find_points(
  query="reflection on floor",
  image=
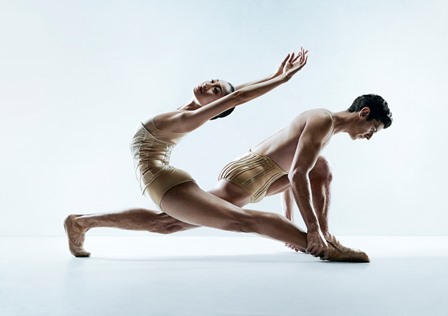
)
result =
(168, 275)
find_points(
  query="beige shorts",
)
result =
(152, 168)
(253, 173)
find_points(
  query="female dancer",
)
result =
(174, 190)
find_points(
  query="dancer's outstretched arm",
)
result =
(285, 65)
(187, 121)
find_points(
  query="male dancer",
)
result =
(289, 161)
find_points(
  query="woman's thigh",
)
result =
(189, 203)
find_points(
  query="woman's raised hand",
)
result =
(293, 63)
(281, 68)
(289, 61)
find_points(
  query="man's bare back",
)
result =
(281, 146)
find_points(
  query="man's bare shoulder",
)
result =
(315, 125)
(314, 117)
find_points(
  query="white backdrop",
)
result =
(76, 77)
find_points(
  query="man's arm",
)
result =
(310, 144)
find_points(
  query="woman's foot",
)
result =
(76, 236)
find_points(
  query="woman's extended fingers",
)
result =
(299, 55)
(285, 60)
(303, 57)
(295, 62)
(293, 57)
(290, 62)
(305, 54)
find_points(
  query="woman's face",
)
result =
(210, 91)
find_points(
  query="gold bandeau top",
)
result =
(155, 145)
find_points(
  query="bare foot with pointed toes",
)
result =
(75, 236)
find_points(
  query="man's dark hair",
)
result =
(226, 112)
(379, 110)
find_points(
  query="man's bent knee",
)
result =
(321, 171)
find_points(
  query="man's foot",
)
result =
(76, 236)
(336, 252)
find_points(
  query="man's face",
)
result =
(365, 129)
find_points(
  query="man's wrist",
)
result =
(313, 228)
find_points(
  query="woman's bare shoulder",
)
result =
(165, 121)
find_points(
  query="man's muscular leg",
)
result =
(320, 179)
(139, 219)
(133, 219)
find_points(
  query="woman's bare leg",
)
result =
(188, 203)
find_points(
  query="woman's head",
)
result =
(212, 90)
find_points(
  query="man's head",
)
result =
(374, 114)
(379, 110)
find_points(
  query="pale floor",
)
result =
(169, 275)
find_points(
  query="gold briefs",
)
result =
(253, 173)
(151, 149)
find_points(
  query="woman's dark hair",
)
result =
(226, 112)
(379, 110)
